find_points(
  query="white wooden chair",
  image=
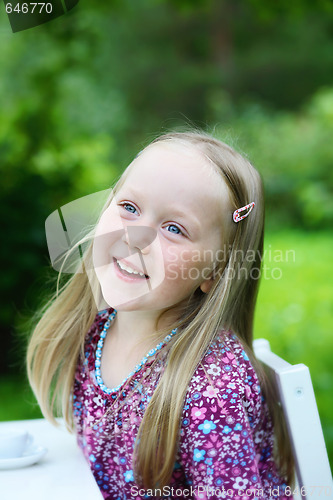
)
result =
(294, 387)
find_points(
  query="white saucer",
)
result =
(32, 455)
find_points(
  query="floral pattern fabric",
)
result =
(226, 436)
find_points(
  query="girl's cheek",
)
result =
(179, 264)
(170, 254)
(110, 221)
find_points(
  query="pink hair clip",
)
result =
(236, 217)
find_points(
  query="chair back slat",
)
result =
(297, 398)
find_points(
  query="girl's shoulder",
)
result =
(226, 374)
(228, 351)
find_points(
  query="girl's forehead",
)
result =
(171, 173)
(172, 160)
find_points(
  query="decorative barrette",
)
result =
(236, 217)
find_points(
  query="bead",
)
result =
(138, 367)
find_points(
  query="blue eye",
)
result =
(174, 229)
(129, 208)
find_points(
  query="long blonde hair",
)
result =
(58, 339)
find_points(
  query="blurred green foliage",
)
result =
(81, 95)
(18, 402)
(295, 306)
(293, 151)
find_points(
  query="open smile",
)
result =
(128, 270)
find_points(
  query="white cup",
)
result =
(13, 443)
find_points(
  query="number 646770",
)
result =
(29, 8)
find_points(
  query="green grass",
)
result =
(294, 313)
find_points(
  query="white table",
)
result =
(62, 474)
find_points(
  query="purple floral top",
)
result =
(226, 436)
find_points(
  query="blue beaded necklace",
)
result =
(136, 369)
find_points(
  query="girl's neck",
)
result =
(135, 327)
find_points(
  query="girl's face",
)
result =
(157, 241)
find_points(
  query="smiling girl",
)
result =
(161, 386)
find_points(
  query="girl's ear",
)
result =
(207, 284)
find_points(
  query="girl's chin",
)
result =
(122, 301)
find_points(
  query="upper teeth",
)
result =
(128, 269)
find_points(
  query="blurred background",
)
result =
(81, 95)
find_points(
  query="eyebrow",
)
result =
(187, 217)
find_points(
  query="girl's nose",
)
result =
(139, 237)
